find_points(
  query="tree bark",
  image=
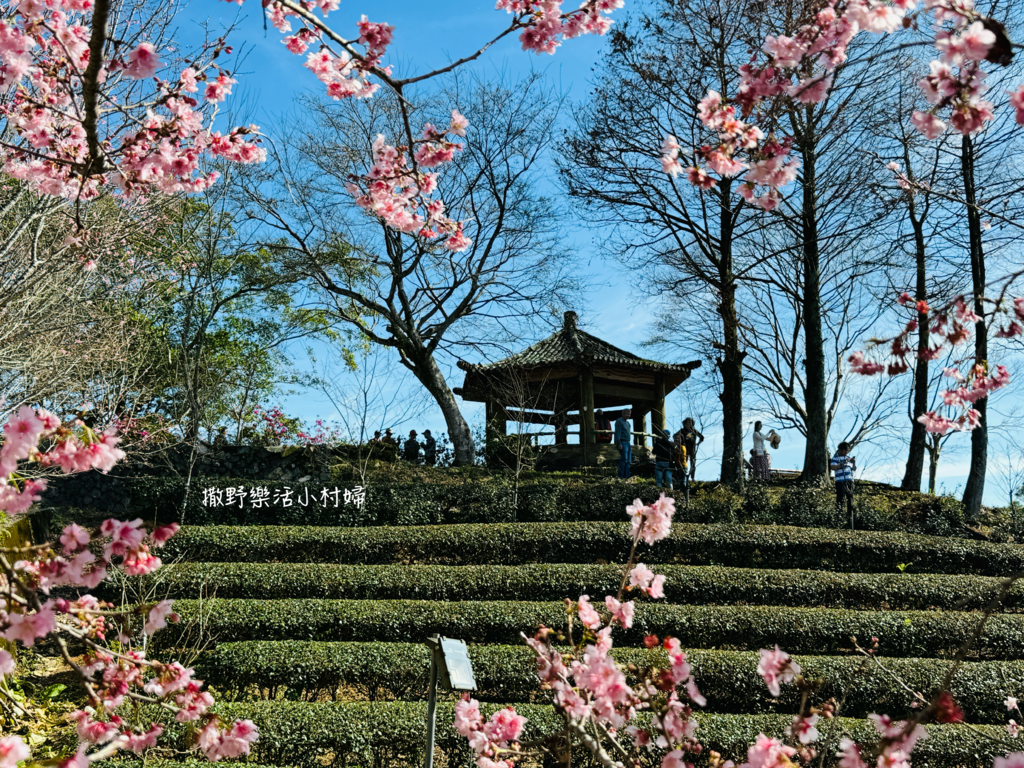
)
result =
(975, 488)
(730, 363)
(425, 369)
(933, 470)
(816, 448)
(918, 435)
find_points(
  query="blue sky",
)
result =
(428, 35)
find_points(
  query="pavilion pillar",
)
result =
(639, 424)
(658, 414)
(587, 425)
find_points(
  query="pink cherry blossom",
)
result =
(7, 663)
(588, 616)
(1012, 760)
(74, 538)
(776, 667)
(143, 62)
(219, 89)
(504, 725)
(849, 755)
(12, 751)
(621, 612)
(158, 616)
(803, 729)
(768, 753)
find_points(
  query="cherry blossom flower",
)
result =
(143, 62)
(13, 750)
(776, 667)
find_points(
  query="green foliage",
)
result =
(389, 734)
(588, 542)
(717, 505)
(694, 584)
(758, 505)
(810, 505)
(505, 673)
(799, 630)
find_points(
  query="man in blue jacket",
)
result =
(623, 441)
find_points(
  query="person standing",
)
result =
(663, 450)
(376, 437)
(388, 438)
(759, 456)
(682, 461)
(429, 448)
(844, 466)
(602, 428)
(412, 449)
(689, 437)
(623, 441)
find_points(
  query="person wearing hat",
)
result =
(412, 449)
(389, 439)
(376, 437)
(663, 450)
(429, 448)
(689, 438)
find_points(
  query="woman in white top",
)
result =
(760, 460)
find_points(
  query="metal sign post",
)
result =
(449, 661)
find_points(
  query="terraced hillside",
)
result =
(316, 632)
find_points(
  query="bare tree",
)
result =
(689, 245)
(368, 391)
(405, 291)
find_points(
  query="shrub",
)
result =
(717, 505)
(811, 505)
(505, 673)
(758, 505)
(386, 734)
(736, 545)
(451, 497)
(700, 585)
(799, 630)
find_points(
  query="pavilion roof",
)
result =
(571, 345)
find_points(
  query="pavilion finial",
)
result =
(569, 321)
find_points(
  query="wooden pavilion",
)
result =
(561, 380)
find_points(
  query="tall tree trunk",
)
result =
(816, 450)
(425, 369)
(975, 488)
(730, 364)
(933, 467)
(918, 434)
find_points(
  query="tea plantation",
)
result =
(316, 632)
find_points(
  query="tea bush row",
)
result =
(503, 673)
(391, 734)
(701, 584)
(798, 630)
(591, 542)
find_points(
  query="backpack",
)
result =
(681, 456)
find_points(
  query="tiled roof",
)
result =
(571, 345)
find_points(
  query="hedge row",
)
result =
(731, 545)
(223, 501)
(798, 630)
(701, 585)
(386, 734)
(503, 673)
